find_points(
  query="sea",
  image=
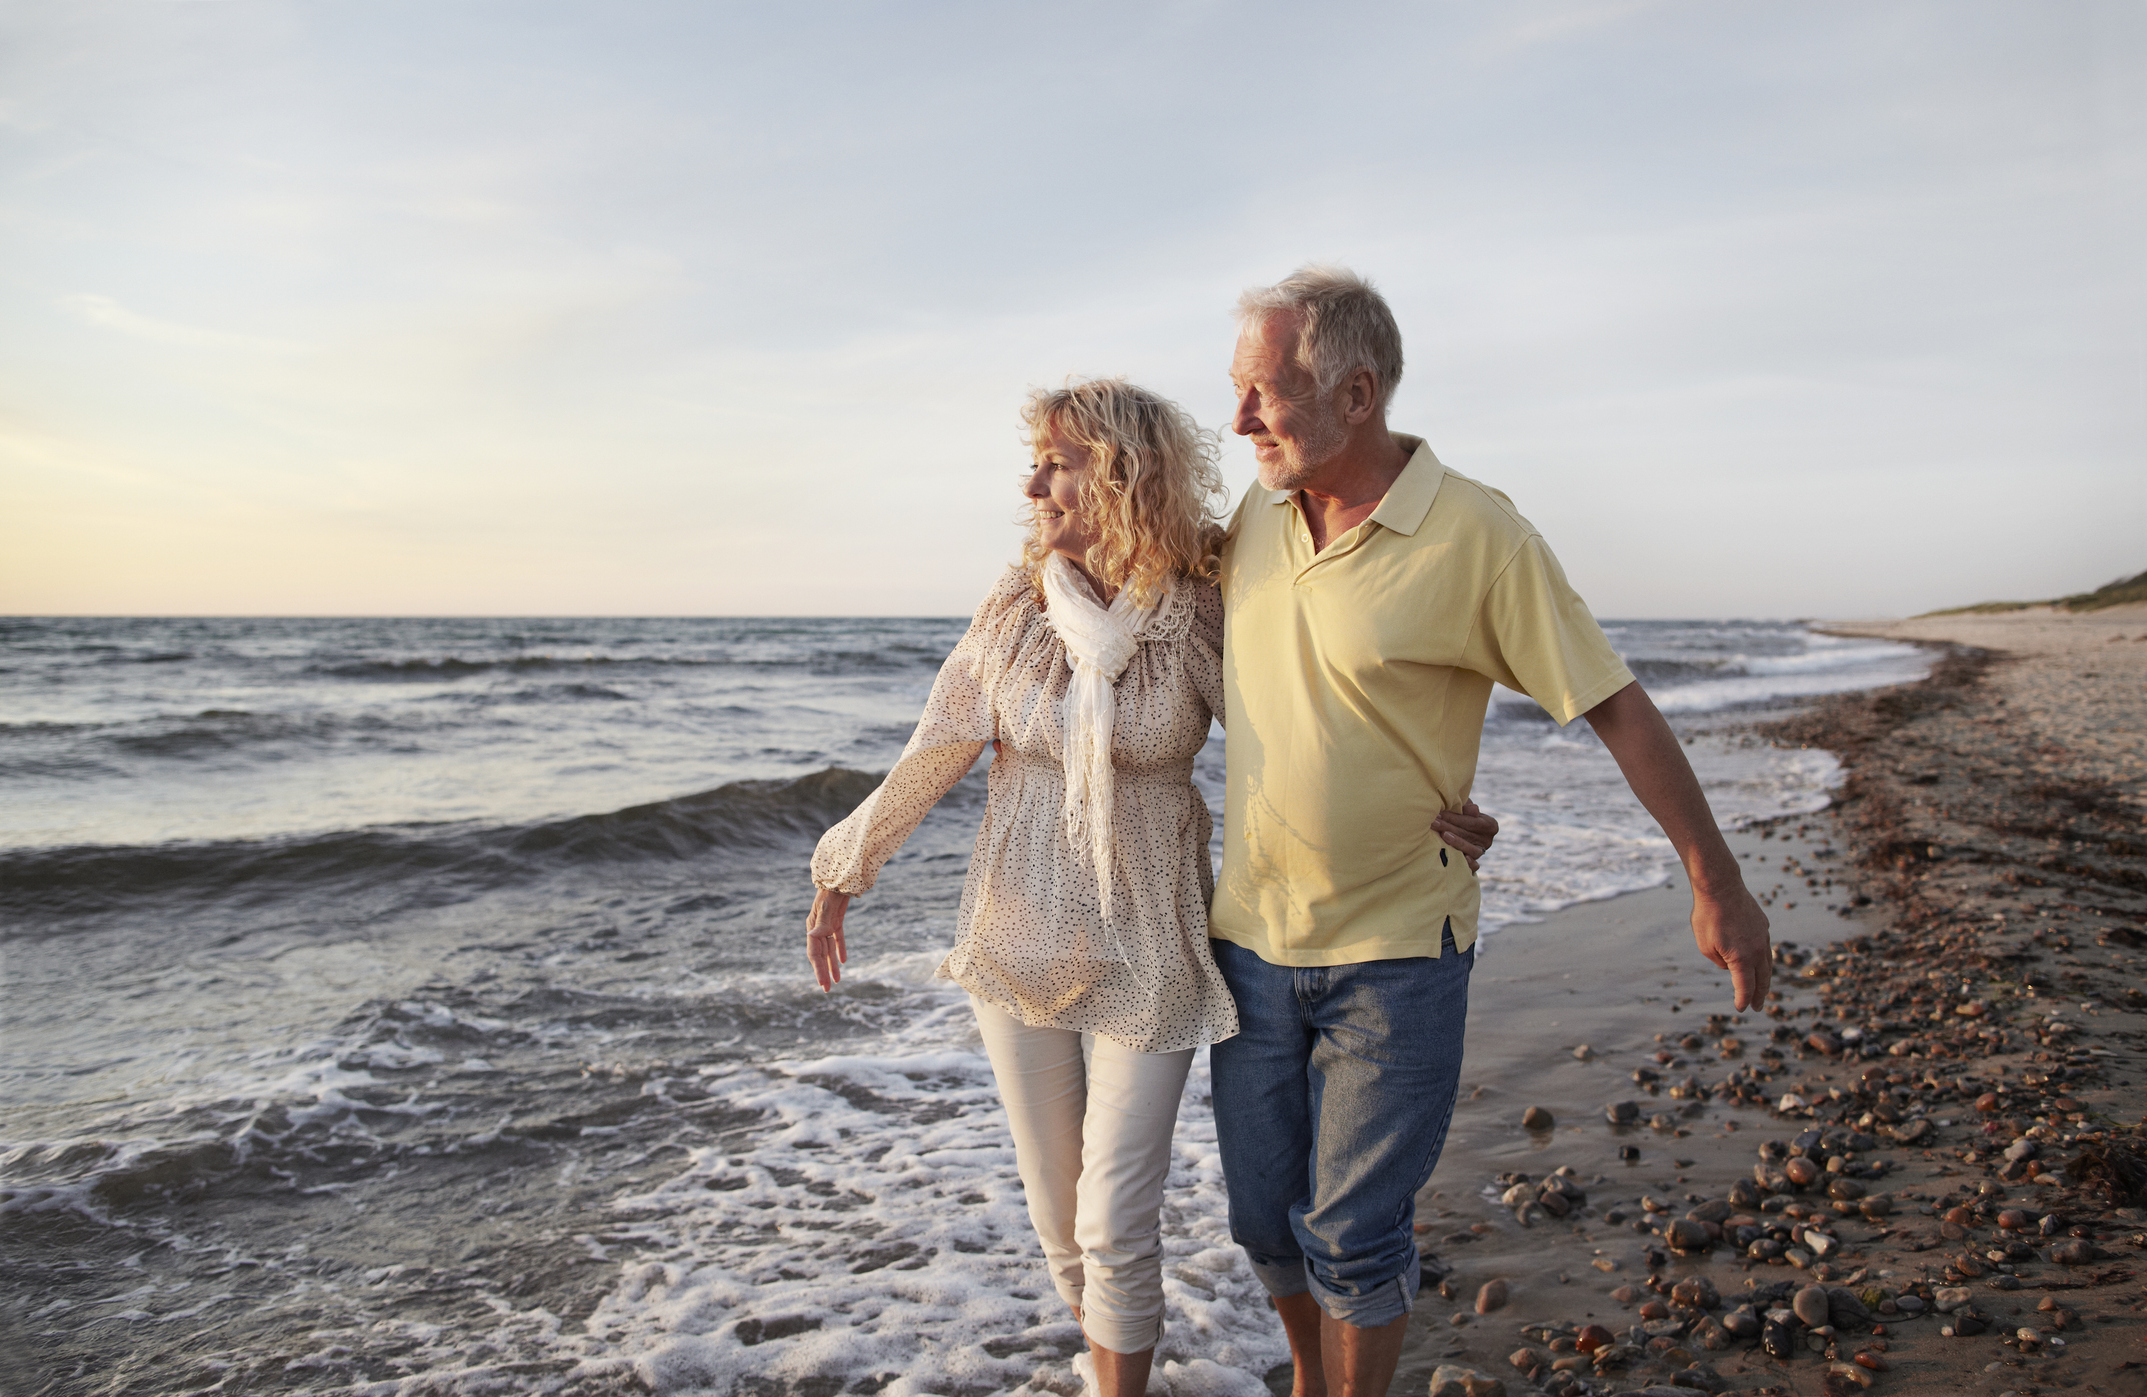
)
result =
(419, 1006)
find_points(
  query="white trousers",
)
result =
(1092, 1123)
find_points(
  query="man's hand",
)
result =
(823, 936)
(1468, 830)
(1732, 932)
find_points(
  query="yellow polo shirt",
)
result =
(1355, 681)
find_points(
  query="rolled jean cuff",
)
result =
(1282, 1278)
(1373, 1307)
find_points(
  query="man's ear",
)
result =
(1363, 400)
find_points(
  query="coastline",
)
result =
(1990, 822)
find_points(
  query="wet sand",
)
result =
(1987, 847)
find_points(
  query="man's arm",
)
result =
(1726, 920)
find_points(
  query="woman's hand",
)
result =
(823, 936)
(1468, 830)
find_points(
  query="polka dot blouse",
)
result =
(1031, 936)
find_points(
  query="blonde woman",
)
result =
(1093, 667)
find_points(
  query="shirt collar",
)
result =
(1409, 498)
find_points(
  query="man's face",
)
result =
(1294, 430)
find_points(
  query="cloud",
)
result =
(108, 314)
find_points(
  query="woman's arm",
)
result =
(956, 723)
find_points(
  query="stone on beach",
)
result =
(1453, 1380)
(1688, 1235)
(1695, 1293)
(1492, 1295)
(1537, 1118)
(1810, 1305)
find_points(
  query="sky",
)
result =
(1825, 309)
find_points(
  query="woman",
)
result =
(1093, 668)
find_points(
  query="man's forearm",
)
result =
(1726, 923)
(1635, 732)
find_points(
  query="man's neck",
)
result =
(1349, 487)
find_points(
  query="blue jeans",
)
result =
(1331, 1106)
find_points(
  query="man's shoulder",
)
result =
(1469, 503)
(1253, 498)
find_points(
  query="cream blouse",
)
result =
(1031, 936)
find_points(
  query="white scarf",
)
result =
(1100, 643)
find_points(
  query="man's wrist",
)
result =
(1717, 880)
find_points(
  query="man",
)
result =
(1373, 598)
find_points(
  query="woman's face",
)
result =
(1054, 488)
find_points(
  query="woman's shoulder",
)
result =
(1012, 590)
(1206, 595)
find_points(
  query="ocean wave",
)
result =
(456, 861)
(426, 671)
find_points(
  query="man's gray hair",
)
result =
(1344, 325)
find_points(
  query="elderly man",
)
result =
(1374, 597)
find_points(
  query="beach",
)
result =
(1958, 1024)
(425, 1019)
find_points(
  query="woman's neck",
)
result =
(1104, 595)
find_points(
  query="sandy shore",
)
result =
(1956, 1045)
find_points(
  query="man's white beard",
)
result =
(1300, 462)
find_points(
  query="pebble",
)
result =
(1584, 1053)
(1687, 1235)
(1593, 1337)
(2076, 1251)
(1801, 1171)
(1537, 1118)
(1695, 1293)
(1492, 1295)
(1453, 1380)
(1778, 1339)
(1949, 1298)
(1622, 1112)
(1846, 1309)
(1810, 1305)
(1846, 1378)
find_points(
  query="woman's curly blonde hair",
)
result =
(1152, 489)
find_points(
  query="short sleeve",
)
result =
(1534, 634)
